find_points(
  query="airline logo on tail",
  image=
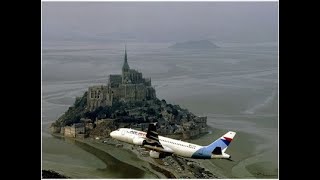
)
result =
(227, 140)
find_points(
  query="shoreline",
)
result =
(132, 155)
(123, 154)
(169, 167)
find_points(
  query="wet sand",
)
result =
(128, 155)
(247, 160)
(241, 166)
(236, 87)
(256, 165)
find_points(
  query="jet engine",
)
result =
(154, 154)
(138, 141)
(157, 155)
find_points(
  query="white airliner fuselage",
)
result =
(174, 146)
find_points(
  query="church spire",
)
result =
(125, 66)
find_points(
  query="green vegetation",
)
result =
(151, 112)
(74, 113)
(78, 111)
(136, 112)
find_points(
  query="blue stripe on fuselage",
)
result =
(201, 154)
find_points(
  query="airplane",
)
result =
(160, 146)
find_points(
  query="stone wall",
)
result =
(129, 92)
(116, 93)
(74, 130)
(114, 80)
(96, 96)
(69, 131)
(62, 131)
(201, 121)
(151, 93)
(141, 92)
(135, 76)
(89, 126)
(55, 129)
(80, 130)
(99, 121)
(147, 81)
(81, 136)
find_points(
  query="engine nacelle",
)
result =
(154, 154)
(138, 141)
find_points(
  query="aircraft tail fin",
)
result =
(220, 145)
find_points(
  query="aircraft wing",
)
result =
(152, 137)
(152, 140)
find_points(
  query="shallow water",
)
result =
(236, 86)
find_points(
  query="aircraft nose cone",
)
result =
(112, 134)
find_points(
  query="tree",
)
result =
(75, 112)
(151, 112)
(159, 116)
(175, 112)
(157, 102)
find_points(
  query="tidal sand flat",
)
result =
(104, 162)
(235, 86)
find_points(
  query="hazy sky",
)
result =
(160, 21)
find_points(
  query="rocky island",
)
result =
(128, 100)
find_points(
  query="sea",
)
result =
(235, 86)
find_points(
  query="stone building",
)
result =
(128, 86)
(201, 121)
(88, 124)
(74, 130)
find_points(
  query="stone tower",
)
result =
(128, 86)
(125, 68)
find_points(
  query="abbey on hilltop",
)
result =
(127, 100)
(128, 86)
